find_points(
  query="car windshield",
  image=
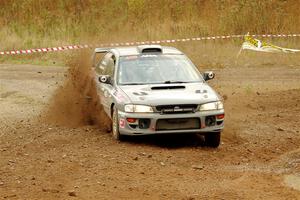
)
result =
(156, 69)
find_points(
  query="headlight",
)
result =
(138, 109)
(212, 106)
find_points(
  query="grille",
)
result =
(184, 108)
(178, 124)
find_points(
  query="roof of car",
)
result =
(142, 49)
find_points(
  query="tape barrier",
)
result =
(253, 44)
(76, 47)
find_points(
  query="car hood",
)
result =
(187, 93)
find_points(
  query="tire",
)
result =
(213, 139)
(115, 125)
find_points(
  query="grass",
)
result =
(42, 23)
(249, 89)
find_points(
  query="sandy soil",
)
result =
(259, 157)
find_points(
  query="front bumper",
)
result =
(127, 128)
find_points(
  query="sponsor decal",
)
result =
(122, 123)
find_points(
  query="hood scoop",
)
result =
(168, 87)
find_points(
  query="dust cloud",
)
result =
(76, 102)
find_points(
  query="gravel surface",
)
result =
(259, 157)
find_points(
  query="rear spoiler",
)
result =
(98, 51)
(102, 50)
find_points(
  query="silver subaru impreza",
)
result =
(153, 89)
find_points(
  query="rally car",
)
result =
(153, 89)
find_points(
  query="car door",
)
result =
(106, 67)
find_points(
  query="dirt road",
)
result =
(259, 157)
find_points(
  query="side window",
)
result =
(109, 70)
(106, 65)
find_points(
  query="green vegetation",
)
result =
(43, 23)
(249, 89)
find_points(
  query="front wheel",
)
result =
(212, 139)
(115, 125)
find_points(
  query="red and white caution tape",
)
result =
(74, 47)
(40, 50)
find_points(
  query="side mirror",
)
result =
(208, 75)
(105, 79)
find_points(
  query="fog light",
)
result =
(144, 123)
(210, 121)
(220, 116)
(131, 120)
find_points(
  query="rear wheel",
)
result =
(115, 125)
(213, 139)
